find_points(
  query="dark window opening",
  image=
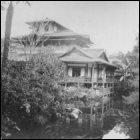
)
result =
(76, 72)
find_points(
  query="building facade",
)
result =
(88, 66)
(84, 65)
(49, 33)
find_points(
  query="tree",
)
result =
(8, 26)
(134, 55)
(131, 101)
(8, 23)
(27, 92)
(128, 72)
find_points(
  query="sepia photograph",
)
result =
(69, 69)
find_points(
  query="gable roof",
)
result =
(64, 35)
(104, 56)
(94, 53)
(47, 20)
(88, 55)
(76, 48)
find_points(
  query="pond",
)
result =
(62, 130)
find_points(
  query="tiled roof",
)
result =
(62, 34)
(82, 55)
(94, 53)
(91, 53)
(76, 59)
(85, 55)
(45, 20)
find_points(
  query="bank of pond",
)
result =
(63, 128)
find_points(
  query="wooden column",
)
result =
(66, 65)
(102, 108)
(103, 76)
(86, 71)
(109, 102)
(92, 72)
(113, 84)
(89, 70)
(65, 81)
(102, 115)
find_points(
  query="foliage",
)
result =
(8, 27)
(128, 65)
(131, 101)
(3, 3)
(32, 40)
(129, 73)
(30, 92)
(131, 114)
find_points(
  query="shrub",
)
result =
(29, 88)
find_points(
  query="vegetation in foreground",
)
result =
(31, 94)
(30, 91)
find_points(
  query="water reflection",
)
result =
(61, 129)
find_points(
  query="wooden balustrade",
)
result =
(88, 80)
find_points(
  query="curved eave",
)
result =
(86, 60)
(64, 35)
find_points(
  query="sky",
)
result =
(111, 25)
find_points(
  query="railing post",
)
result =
(91, 117)
(102, 108)
(78, 85)
(102, 115)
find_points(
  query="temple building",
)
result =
(49, 33)
(84, 65)
(88, 66)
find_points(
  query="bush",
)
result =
(29, 88)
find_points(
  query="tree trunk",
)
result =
(8, 26)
